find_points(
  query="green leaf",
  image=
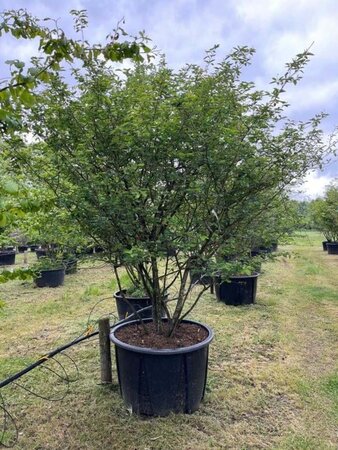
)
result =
(10, 187)
(3, 219)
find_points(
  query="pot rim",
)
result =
(234, 277)
(164, 351)
(52, 270)
(120, 297)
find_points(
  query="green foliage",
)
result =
(197, 160)
(14, 203)
(16, 274)
(47, 263)
(56, 48)
(325, 213)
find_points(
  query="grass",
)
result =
(272, 383)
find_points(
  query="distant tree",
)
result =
(325, 212)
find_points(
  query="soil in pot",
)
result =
(7, 258)
(240, 290)
(51, 278)
(158, 381)
(126, 305)
(332, 248)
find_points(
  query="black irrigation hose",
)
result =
(45, 358)
(59, 350)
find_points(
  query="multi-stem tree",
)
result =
(156, 159)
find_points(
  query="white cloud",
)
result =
(314, 186)
(313, 96)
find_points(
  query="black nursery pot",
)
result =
(257, 251)
(332, 248)
(199, 278)
(22, 248)
(7, 258)
(274, 246)
(241, 290)
(33, 247)
(51, 278)
(158, 382)
(325, 245)
(126, 306)
(70, 265)
(40, 252)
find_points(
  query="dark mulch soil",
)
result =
(185, 335)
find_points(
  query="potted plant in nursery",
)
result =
(324, 212)
(49, 272)
(7, 256)
(240, 286)
(330, 217)
(60, 239)
(171, 163)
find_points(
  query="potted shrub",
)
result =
(7, 252)
(330, 216)
(240, 287)
(131, 300)
(49, 272)
(325, 217)
(7, 257)
(20, 240)
(170, 163)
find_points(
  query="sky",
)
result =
(184, 29)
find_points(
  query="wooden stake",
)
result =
(105, 354)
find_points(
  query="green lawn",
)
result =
(273, 382)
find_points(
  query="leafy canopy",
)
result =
(159, 160)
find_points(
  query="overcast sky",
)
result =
(184, 29)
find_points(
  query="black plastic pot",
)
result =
(158, 382)
(198, 278)
(324, 243)
(257, 251)
(332, 248)
(7, 258)
(22, 248)
(40, 252)
(126, 306)
(70, 265)
(33, 247)
(240, 290)
(274, 246)
(171, 252)
(51, 278)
